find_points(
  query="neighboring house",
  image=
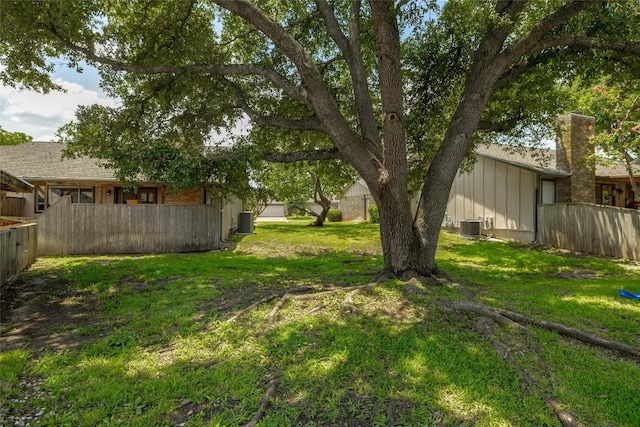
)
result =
(10, 203)
(355, 201)
(504, 188)
(40, 164)
(273, 209)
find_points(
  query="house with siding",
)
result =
(505, 187)
(51, 177)
(12, 206)
(355, 201)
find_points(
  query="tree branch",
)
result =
(322, 102)
(296, 156)
(274, 77)
(308, 124)
(333, 27)
(527, 42)
(351, 50)
(584, 42)
(521, 68)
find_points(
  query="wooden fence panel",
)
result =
(18, 249)
(55, 226)
(73, 228)
(12, 206)
(596, 229)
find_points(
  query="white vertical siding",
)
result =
(478, 191)
(513, 197)
(498, 190)
(527, 200)
(500, 220)
(489, 186)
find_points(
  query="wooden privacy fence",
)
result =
(596, 229)
(74, 228)
(18, 249)
(11, 206)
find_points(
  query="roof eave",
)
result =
(9, 182)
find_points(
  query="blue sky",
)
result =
(40, 115)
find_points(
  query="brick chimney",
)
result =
(572, 146)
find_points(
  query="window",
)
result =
(548, 191)
(39, 199)
(145, 195)
(78, 194)
(605, 195)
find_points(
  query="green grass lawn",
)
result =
(148, 340)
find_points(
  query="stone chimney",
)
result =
(572, 146)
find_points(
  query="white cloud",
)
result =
(40, 115)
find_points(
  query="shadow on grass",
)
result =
(165, 356)
(579, 290)
(355, 371)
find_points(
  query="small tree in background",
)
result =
(299, 184)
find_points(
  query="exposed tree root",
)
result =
(267, 299)
(347, 305)
(526, 345)
(274, 311)
(523, 342)
(316, 309)
(514, 341)
(498, 313)
(264, 403)
(277, 307)
(252, 306)
(566, 418)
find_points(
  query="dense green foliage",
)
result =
(302, 183)
(13, 138)
(615, 102)
(334, 215)
(374, 215)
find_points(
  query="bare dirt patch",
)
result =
(45, 313)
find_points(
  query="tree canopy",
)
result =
(13, 138)
(382, 85)
(615, 103)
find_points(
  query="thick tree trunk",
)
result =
(399, 242)
(486, 69)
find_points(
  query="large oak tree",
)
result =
(184, 68)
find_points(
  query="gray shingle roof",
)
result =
(538, 160)
(542, 161)
(42, 161)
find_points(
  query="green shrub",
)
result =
(334, 215)
(374, 215)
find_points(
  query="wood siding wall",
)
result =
(18, 249)
(601, 230)
(71, 228)
(496, 190)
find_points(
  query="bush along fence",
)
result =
(72, 228)
(596, 229)
(18, 249)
